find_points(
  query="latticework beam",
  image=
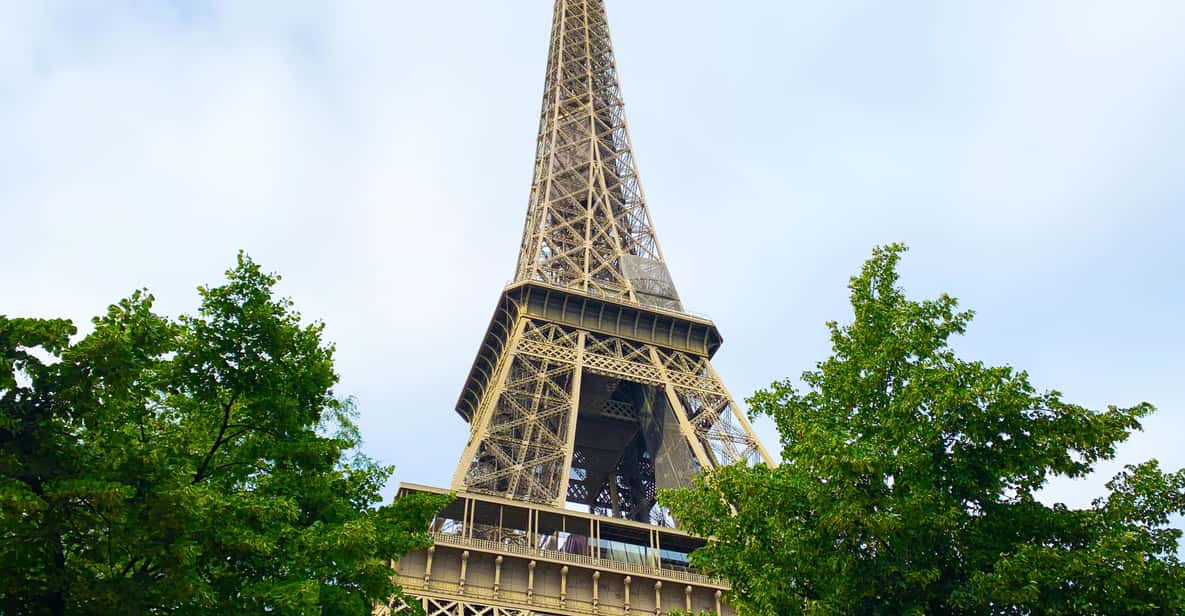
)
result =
(525, 443)
(587, 225)
(592, 386)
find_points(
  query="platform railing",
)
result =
(592, 562)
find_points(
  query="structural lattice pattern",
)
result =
(561, 411)
(446, 607)
(592, 386)
(587, 225)
(524, 444)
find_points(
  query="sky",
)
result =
(378, 155)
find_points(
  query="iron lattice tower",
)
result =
(593, 388)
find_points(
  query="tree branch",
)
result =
(218, 442)
(247, 428)
(128, 567)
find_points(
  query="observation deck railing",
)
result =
(590, 562)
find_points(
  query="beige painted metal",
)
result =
(589, 231)
(467, 572)
(587, 219)
(522, 442)
(478, 435)
(685, 426)
(590, 372)
(540, 586)
(573, 414)
(518, 448)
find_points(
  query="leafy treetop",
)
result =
(191, 466)
(909, 485)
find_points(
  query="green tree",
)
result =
(193, 466)
(909, 485)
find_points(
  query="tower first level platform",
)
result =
(496, 557)
(576, 400)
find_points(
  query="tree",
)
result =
(192, 466)
(909, 485)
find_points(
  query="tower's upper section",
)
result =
(592, 386)
(588, 228)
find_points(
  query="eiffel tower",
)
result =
(592, 389)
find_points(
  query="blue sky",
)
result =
(378, 155)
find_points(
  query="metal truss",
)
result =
(593, 386)
(448, 607)
(587, 224)
(578, 416)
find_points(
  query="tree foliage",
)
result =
(909, 485)
(197, 465)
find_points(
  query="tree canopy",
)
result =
(197, 465)
(909, 485)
